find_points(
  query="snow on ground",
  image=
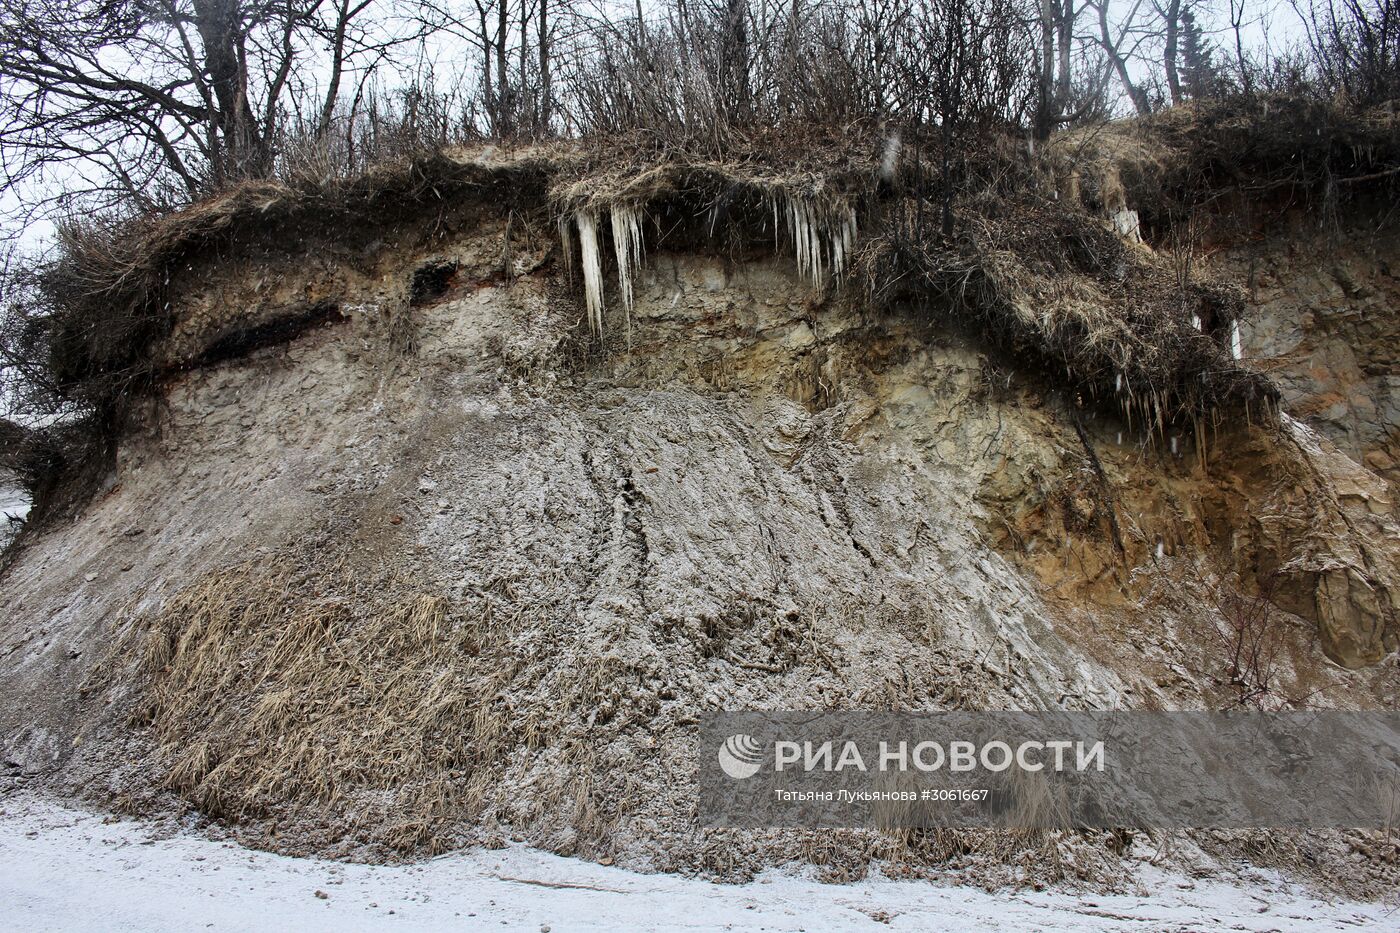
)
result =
(66, 869)
(13, 502)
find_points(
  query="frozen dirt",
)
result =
(66, 869)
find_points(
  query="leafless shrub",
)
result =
(1355, 48)
(1250, 640)
(1250, 644)
(700, 74)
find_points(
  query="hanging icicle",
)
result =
(627, 244)
(806, 242)
(889, 160)
(820, 242)
(567, 244)
(592, 264)
(843, 242)
(823, 240)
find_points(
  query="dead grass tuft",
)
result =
(263, 695)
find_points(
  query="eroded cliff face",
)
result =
(1326, 327)
(402, 558)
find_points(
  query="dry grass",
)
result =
(352, 697)
(353, 704)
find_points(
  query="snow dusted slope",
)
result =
(405, 559)
(62, 868)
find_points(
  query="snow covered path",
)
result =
(66, 869)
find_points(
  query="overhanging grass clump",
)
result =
(1037, 275)
(1283, 152)
(1059, 290)
(106, 295)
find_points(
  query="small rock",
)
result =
(323, 895)
(90, 577)
(396, 519)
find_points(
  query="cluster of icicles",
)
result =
(627, 244)
(822, 242)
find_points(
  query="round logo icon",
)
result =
(741, 756)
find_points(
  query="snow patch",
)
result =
(63, 868)
(14, 507)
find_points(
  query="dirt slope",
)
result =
(401, 559)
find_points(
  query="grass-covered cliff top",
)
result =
(1035, 248)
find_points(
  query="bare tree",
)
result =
(155, 101)
(1056, 22)
(1113, 43)
(1170, 13)
(346, 12)
(516, 43)
(1237, 14)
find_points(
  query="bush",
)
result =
(1355, 47)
